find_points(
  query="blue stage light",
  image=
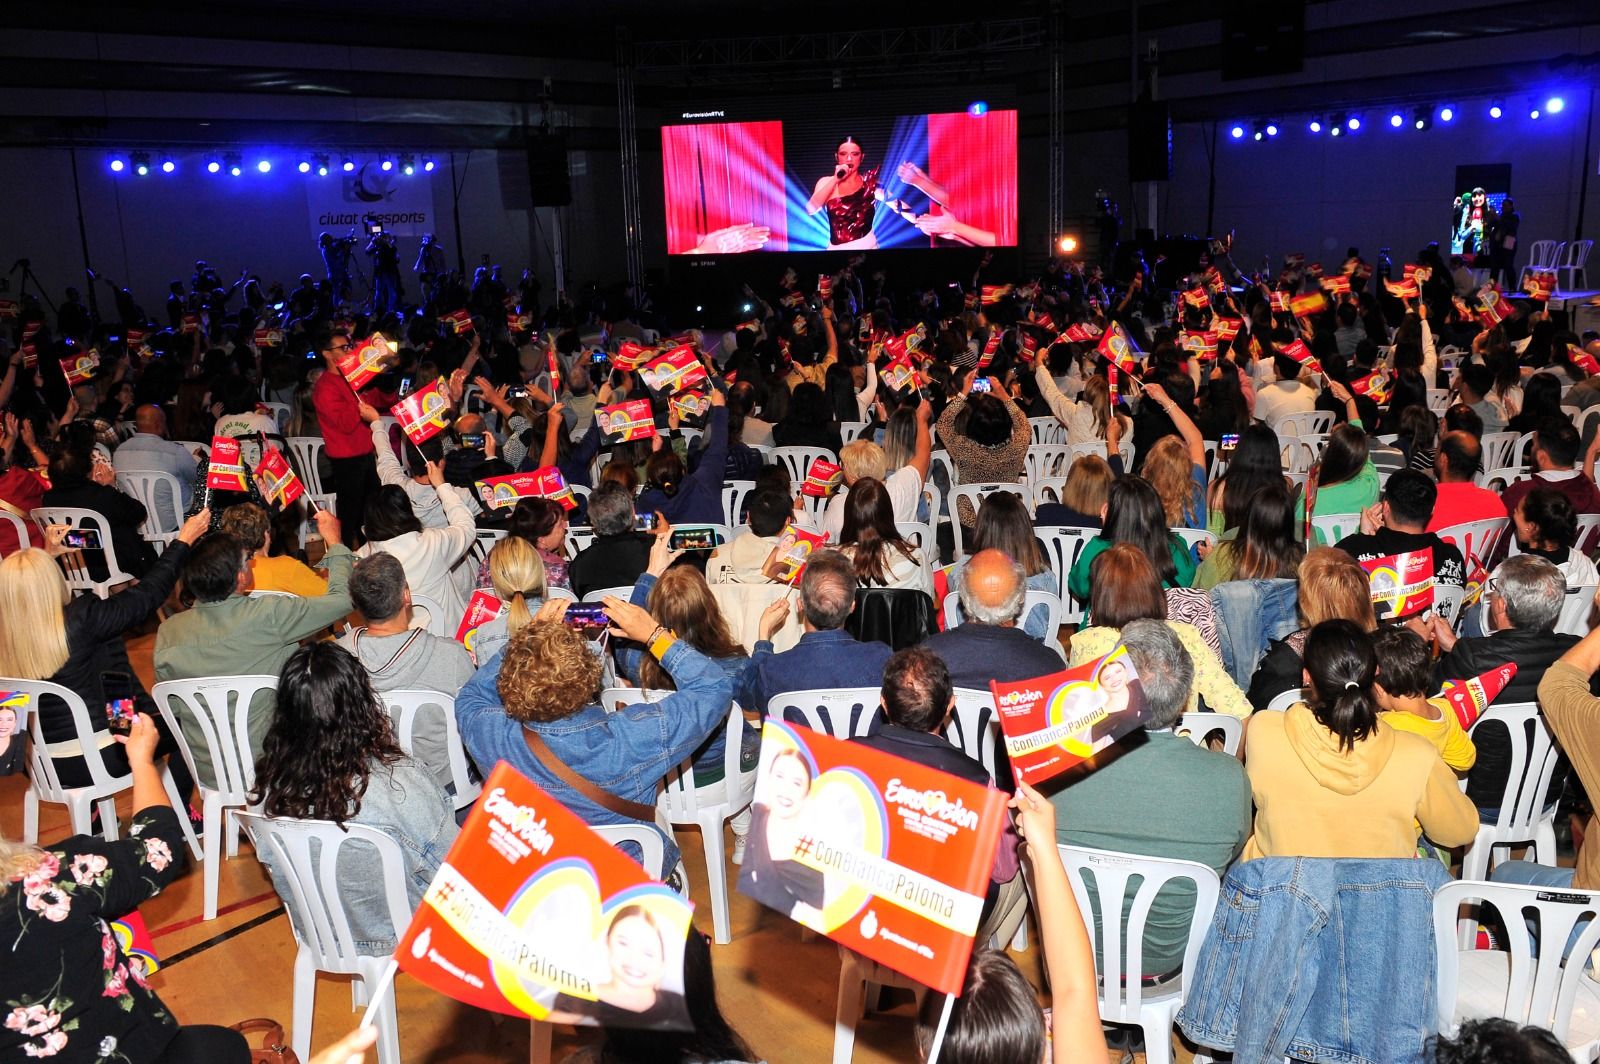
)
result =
(304, 166)
(118, 164)
(265, 166)
(1353, 124)
(141, 163)
(427, 164)
(1495, 110)
(1554, 105)
(1315, 126)
(1446, 113)
(349, 164)
(1533, 112)
(167, 165)
(1272, 129)
(1236, 133)
(1396, 120)
(387, 164)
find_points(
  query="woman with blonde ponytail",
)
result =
(517, 574)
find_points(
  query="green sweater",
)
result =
(242, 636)
(1078, 578)
(1157, 794)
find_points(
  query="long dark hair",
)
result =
(1339, 659)
(1224, 398)
(533, 519)
(1004, 525)
(1267, 548)
(841, 390)
(711, 1037)
(1256, 463)
(1134, 514)
(328, 732)
(996, 1019)
(1343, 457)
(389, 514)
(808, 406)
(1541, 398)
(870, 529)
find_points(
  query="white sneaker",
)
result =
(738, 849)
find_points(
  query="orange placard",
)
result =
(1057, 721)
(822, 479)
(885, 856)
(532, 913)
(482, 608)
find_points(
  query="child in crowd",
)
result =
(1404, 676)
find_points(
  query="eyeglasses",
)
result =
(340, 347)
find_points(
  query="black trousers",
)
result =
(355, 480)
(205, 1044)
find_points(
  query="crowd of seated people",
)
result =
(1231, 552)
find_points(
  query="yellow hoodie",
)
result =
(1315, 800)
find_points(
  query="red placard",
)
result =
(226, 472)
(787, 562)
(1228, 328)
(884, 856)
(676, 370)
(499, 493)
(1406, 289)
(900, 376)
(554, 369)
(191, 324)
(531, 912)
(1583, 360)
(278, 481)
(459, 321)
(630, 355)
(1297, 350)
(1296, 258)
(30, 355)
(1401, 584)
(80, 368)
(1082, 333)
(994, 293)
(519, 321)
(8, 309)
(264, 338)
(990, 346)
(1057, 721)
(1376, 385)
(424, 413)
(482, 608)
(691, 406)
(548, 483)
(1540, 286)
(1116, 347)
(825, 286)
(31, 328)
(1469, 698)
(1497, 310)
(1338, 285)
(623, 422)
(1197, 298)
(368, 359)
(1200, 344)
(134, 337)
(822, 479)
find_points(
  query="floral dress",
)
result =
(67, 990)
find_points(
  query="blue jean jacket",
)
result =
(623, 753)
(1330, 961)
(1250, 614)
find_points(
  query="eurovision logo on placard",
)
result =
(482, 608)
(624, 422)
(884, 856)
(1401, 584)
(532, 913)
(1057, 721)
(278, 481)
(424, 413)
(226, 471)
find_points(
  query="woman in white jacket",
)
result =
(430, 556)
(1085, 419)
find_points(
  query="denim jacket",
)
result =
(407, 804)
(1250, 614)
(1330, 961)
(623, 753)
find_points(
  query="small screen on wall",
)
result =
(1479, 193)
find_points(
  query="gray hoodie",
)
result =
(429, 663)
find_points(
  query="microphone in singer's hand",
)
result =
(838, 175)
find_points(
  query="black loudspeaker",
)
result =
(548, 182)
(1261, 38)
(1149, 142)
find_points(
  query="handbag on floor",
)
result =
(274, 1047)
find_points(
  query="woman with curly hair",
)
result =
(331, 754)
(1176, 465)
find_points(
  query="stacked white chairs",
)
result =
(219, 707)
(304, 452)
(45, 783)
(161, 523)
(1574, 263)
(1048, 489)
(839, 711)
(305, 854)
(1199, 727)
(850, 431)
(435, 712)
(73, 566)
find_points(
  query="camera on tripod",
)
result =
(374, 226)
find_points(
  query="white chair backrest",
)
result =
(1331, 528)
(921, 533)
(1193, 537)
(1438, 401)
(1299, 453)
(426, 613)
(624, 593)
(1533, 761)
(161, 523)
(1577, 255)
(1046, 430)
(1541, 253)
(935, 500)
(72, 564)
(1201, 726)
(941, 459)
(1498, 448)
(1047, 489)
(219, 707)
(1033, 598)
(205, 448)
(799, 459)
(484, 543)
(1063, 544)
(41, 766)
(648, 840)
(1046, 460)
(1526, 989)
(280, 415)
(680, 799)
(1575, 610)
(1304, 423)
(406, 707)
(304, 451)
(837, 711)
(850, 431)
(975, 494)
(316, 911)
(1288, 698)
(734, 494)
(1582, 422)
(1502, 478)
(1121, 952)
(1522, 451)
(974, 726)
(23, 526)
(1447, 602)
(578, 537)
(1475, 539)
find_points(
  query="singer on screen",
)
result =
(847, 195)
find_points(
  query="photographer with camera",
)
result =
(386, 290)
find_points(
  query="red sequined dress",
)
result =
(850, 217)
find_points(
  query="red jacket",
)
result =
(23, 489)
(339, 414)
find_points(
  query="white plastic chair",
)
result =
(829, 709)
(1063, 544)
(1331, 528)
(850, 431)
(974, 727)
(73, 566)
(707, 807)
(1438, 401)
(23, 526)
(1522, 451)
(305, 450)
(1050, 601)
(161, 523)
(799, 459)
(426, 613)
(280, 415)
(578, 537)
(205, 448)
(317, 917)
(1541, 259)
(1046, 430)
(1502, 478)
(652, 849)
(1498, 448)
(219, 706)
(405, 708)
(484, 543)
(1047, 489)
(1476, 539)
(1447, 603)
(975, 494)
(45, 784)
(1120, 966)
(1199, 727)
(1550, 990)
(624, 593)
(734, 494)
(1044, 460)
(1577, 257)
(1300, 453)
(1306, 423)
(1523, 817)
(1288, 698)
(1575, 610)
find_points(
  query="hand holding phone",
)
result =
(82, 539)
(980, 384)
(1228, 444)
(589, 618)
(693, 537)
(120, 709)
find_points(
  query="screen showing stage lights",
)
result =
(913, 181)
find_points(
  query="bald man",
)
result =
(989, 644)
(1460, 499)
(149, 451)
